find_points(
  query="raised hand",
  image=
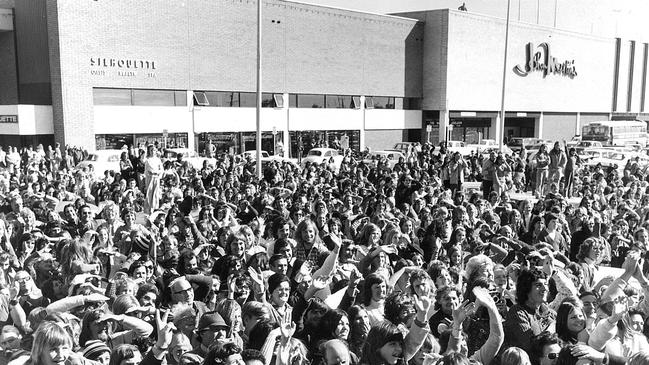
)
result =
(165, 329)
(585, 352)
(483, 297)
(257, 278)
(424, 308)
(462, 311)
(320, 282)
(287, 326)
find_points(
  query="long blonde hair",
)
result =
(49, 335)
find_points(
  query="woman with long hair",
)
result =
(571, 324)
(152, 172)
(309, 245)
(359, 323)
(589, 257)
(542, 162)
(52, 345)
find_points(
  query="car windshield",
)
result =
(315, 153)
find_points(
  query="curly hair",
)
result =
(220, 352)
(395, 304)
(586, 246)
(525, 281)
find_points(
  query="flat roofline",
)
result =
(391, 16)
(512, 21)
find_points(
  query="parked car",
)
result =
(320, 155)
(189, 155)
(517, 143)
(403, 146)
(609, 159)
(101, 161)
(489, 144)
(252, 154)
(459, 146)
(392, 157)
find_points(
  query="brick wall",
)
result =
(211, 45)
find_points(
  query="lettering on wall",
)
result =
(122, 67)
(8, 119)
(540, 59)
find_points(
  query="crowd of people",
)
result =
(356, 263)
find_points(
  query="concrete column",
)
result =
(362, 137)
(538, 126)
(443, 123)
(191, 133)
(286, 128)
(496, 128)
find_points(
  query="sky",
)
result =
(605, 18)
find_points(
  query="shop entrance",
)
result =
(470, 130)
(519, 127)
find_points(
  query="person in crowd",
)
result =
(353, 265)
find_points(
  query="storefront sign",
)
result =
(8, 119)
(122, 67)
(122, 63)
(543, 61)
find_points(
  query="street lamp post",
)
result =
(258, 113)
(501, 130)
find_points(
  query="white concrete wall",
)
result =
(32, 119)
(141, 119)
(212, 119)
(475, 66)
(392, 119)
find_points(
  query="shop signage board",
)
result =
(8, 119)
(540, 59)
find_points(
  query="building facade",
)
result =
(101, 74)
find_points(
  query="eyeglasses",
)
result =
(188, 290)
(552, 355)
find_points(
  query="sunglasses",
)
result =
(552, 355)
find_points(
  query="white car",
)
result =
(609, 159)
(488, 145)
(101, 161)
(459, 146)
(392, 157)
(188, 155)
(320, 155)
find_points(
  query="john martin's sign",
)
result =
(540, 59)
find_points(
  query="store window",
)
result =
(200, 99)
(222, 98)
(102, 96)
(248, 100)
(117, 141)
(310, 101)
(180, 98)
(139, 97)
(270, 100)
(153, 97)
(383, 102)
(339, 101)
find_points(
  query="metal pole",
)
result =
(555, 12)
(501, 132)
(259, 88)
(538, 10)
